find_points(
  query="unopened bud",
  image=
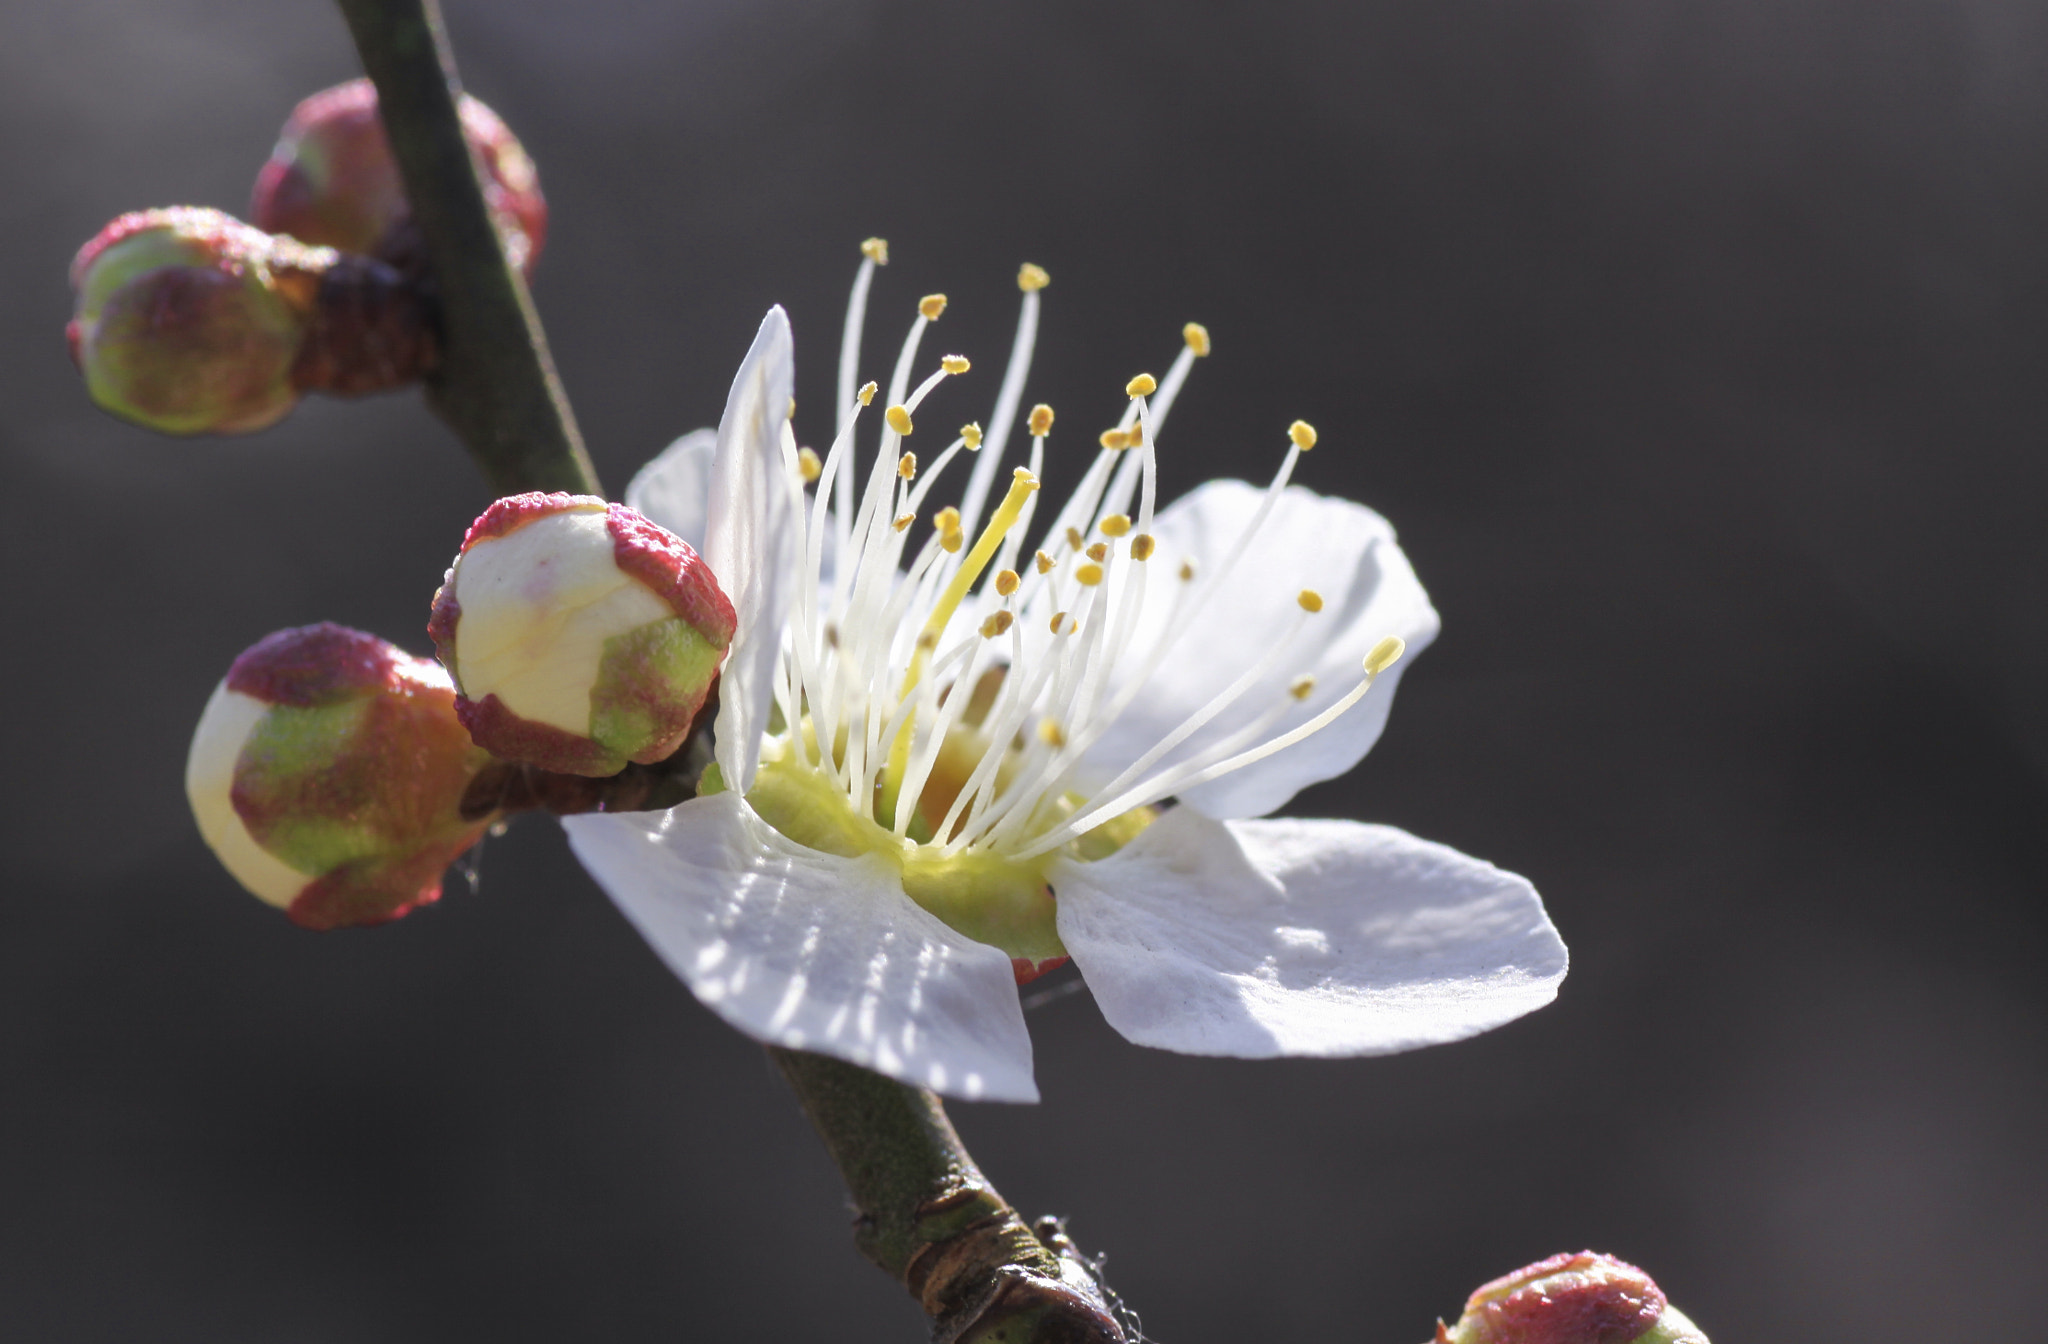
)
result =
(1587, 1298)
(327, 774)
(580, 635)
(332, 180)
(189, 321)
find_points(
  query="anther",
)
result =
(1197, 337)
(904, 521)
(1144, 385)
(1302, 687)
(867, 394)
(1088, 575)
(1384, 655)
(1059, 618)
(807, 465)
(1137, 434)
(1187, 570)
(951, 542)
(1041, 420)
(1142, 546)
(996, 624)
(1074, 538)
(1099, 552)
(931, 305)
(906, 465)
(876, 250)
(1114, 439)
(1050, 733)
(1044, 562)
(831, 636)
(1310, 600)
(955, 364)
(898, 418)
(1024, 474)
(790, 414)
(1116, 525)
(1006, 582)
(1303, 433)
(970, 434)
(947, 519)
(1031, 277)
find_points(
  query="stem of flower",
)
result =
(496, 384)
(927, 1216)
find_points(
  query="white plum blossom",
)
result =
(949, 758)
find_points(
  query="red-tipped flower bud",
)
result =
(332, 180)
(327, 774)
(189, 321)
(1587, 1298)
(581, 636)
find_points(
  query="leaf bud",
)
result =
(189, 321)
(1587, 1298)
(332, 180)
(327, 774)
(580, 635)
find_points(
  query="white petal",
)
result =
(812, 951)
(750, 542)
(672, 488)
(1286, 937)
(1344, 551)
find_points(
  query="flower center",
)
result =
(939, 705)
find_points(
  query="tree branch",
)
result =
(496, 385)
(927, 1215)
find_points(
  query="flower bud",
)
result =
(332, 179)
(1587, 1298)
(581, 636)
(327, 774)
(189, 321)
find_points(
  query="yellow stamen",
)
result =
(1138, 434)
(1044, 562)
(1088, 575)
(1074, 538)
(1031, 277)
(1114, 439)
(1116, 525)
(1302, 687)
(996, 624)
(947, 519)
(1059, 618)
(931, 305)
(1050, 733)
(1303, 433)
(1310, 600)
(951, 542)
(1006, 582)
(867, 394)
(1187, 571)
(1142, 546)
(971, 435)
(955, 364)
(1384, 655)
(1144, 385)
(1197, 337)
(904, 521)
(808, 466)
(899, 419)
(876, 250)
(906, 465)
(1099, 552)
(1041, 420)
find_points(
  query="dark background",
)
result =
(1695, 346)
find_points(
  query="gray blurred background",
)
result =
(1695, 346)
